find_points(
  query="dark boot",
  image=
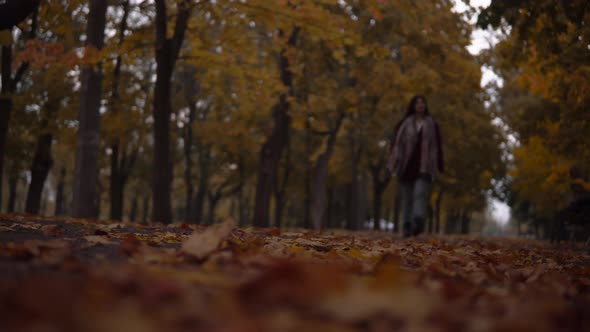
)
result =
(408, 229)
(418, 226)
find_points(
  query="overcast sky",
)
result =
(482, 39)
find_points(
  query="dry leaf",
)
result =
(334, 281)
(96, 240)
(52, 230)
(35, 247)
(200, 245)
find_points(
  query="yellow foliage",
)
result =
(541, 176)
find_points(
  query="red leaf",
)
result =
(52, 230)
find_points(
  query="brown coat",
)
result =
(405, 142)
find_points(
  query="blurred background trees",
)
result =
(544, 61)
(280, 113)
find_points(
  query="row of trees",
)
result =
(544, 62)
(278, 113)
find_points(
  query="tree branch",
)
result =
(161, 24)
(25, 65)
(184, 11)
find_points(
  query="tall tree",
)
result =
(86, 195)
(121, 162)
(42, 160)
(190, 89)
(167, 51)
(272, 150)
(319, 194)
(60, 195)
(10, 80)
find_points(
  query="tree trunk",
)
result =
(44, 204)
(188, 183)
(280, 190)
(190, 90)
(213, 200)
(200, 200)
(430, 217)
(203, 186)
(8, 81)
(243, 205)
(118, 171)
(380, 178)
(12, 191)
(122, 169)
(272, 149)
(5, 110)
(133, 211)
(279, 205)
(146, 209)
(242, 209)
(332, 222)
(308, 175)
(320, 177)
(387, 217)
(42, 159)
(270, 156)
(449, 217)
(42, 163)
(60, 195)
(86, 195)
(116, 185)
(167, 50)
(354, 217)
(162, 171)
(377, 203)
(465, 220)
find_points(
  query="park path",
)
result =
(82, 275)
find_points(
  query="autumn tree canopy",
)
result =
(281, 113)
(544, 61)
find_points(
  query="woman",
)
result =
(416, 158)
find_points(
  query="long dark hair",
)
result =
(412, 106)
(411, 110)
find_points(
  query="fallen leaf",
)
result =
(273, 232)
(130, 244)
(52, 230)
(35, 247)
(388, 273)
(96, 240)
(200, 245)
(295, 282)
(359, 303)
(100, 232)
(7, 228)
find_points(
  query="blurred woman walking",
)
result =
(416, 158)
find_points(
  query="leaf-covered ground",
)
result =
(76, 275)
